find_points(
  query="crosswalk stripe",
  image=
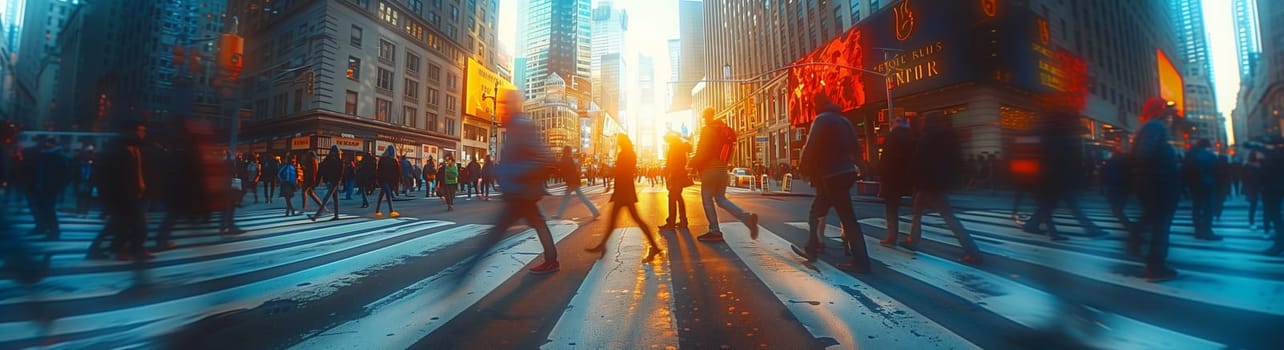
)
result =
(147, 322)
(272, 252)
(621, 303)
(833, 304)
(1243, 293)
(1025, 305)
(398, 320)
(1004, 226)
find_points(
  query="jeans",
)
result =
(1158, 205)
(566, 199)
(713, 190)
(835, 192)
(347, 188)
(1201, 209)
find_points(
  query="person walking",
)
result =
(487, 177)
(570, 171)
(935, 166)
(270, 167)
(714, 149)
(366, 179)
(473, 176)
(896, 177)
(288, 177)
(349, 177)
(450, 181)
(330, 173)
(308, 165)
(1059, 175)
(253, 174)
(828, 158)
(388, 173)
(1252, 187)
(1272, 187)
(675, 169)
(527, 165)
(51, 173)
(1200, 175)
(624, 198)
(407, 176)
(123, 188)
(430, 177)
(1158, 186)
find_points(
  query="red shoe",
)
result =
(545, 268)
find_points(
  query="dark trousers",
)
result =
(677, 207)
(44, 211)
(269, 190)
(1118, 201)
(835, 192)
(128, 227)
(1253, 198)
(938, 201)
(1158, 205)
(1271, 213)
(892, 214)
(331, 196)
(385, 191)
(521, 209)
(1048, 202)
(1202, 209)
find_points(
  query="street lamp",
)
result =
(494, 124)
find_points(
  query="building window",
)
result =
(432, 97)
(416, 6)
(356, 36)
(354, 68)
(454, 13)
(408, 116)
(387, 52)
(382, 109)
(350, 103)
(412, 63)
(450, 103)
(450, 32)
(430, 121)
(298, 100)
(385, 80)
(388, 14)
(361, 3)
(434, 73)
(450, 126)
(278, 105)
(412, 89)
(452, 81)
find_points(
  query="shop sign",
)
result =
(348, 143)
(301, 142)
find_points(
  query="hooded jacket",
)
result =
(831, 145)
(331, 169)
(527, 162)
(389, 170)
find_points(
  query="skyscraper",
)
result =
(1196, 69)
(44, 21)
(1260, 103)
(1247, 42)
(675, 72)
(691, 36)
(557, 42)
(610, 23)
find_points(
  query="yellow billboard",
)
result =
(481, 83)
(1170, 82)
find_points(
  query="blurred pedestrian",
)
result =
(935, 166)
(1059, 175)
(271, 166)
(50, 175)
(527, 165)
(253, 174)
(1252, 187)
(1117, 180)
(473, 177)
(675, 168)
(366, 178)
(487, 177)
(308, 164)
(407, 175)
(389, 176)
(570, 171)
(1224, 174)
(85, 182)
(288, 176)
(714, 149)
(1200, 175)
(330, 173)
(1273, 191)
(188, 194)
(349, 177)
(896, 180)
(123, 188)
(625, 197)
(450, 181)
(1158, 186)
(828, 158)
(430, 177)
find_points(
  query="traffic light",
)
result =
(230, 53)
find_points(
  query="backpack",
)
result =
(728, 138)
(288, 174)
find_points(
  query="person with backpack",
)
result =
(288, 177)
(714, 149)
(430, 177)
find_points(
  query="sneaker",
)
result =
(394, 215)
(378, 214)
(712, 236)
(752, 222)
(1157, 274)
(545, 268)
(853, 267)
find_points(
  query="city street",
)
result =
(361, 282)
